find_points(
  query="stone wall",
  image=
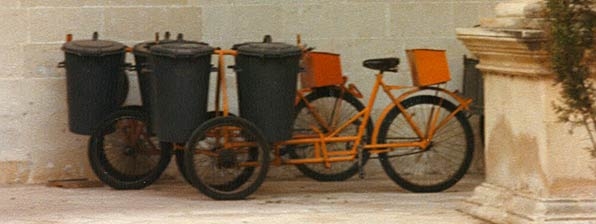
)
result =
(36, 144)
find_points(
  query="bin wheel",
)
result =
(123, 154)
(180, 153)
(227, 158)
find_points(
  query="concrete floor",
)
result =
(372, 200)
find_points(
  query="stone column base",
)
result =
(501, 205)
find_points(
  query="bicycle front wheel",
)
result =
(124, 155)
(438, 166)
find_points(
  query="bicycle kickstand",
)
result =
(360, 167)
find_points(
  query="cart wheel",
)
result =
(180, 153)
(227, 158)
(123, 154)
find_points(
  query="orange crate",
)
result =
(321, 69)
(428, 66)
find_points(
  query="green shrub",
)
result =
(572, 32)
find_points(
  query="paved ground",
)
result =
(372, 200)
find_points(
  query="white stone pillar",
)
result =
(537, 171)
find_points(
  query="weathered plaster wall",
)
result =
(36, 144)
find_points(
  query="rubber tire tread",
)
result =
(461, 171)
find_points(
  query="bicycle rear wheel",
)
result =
(124, 155)
(227, 158)
(334, 107)
(443, 163)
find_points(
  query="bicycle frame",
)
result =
(319, 141)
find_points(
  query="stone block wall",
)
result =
(36, 144)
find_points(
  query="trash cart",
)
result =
(181, 71)
(96, 81)
(267, 77)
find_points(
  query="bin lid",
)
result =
(93, 47)
(236, 46)
(269, 50)
(143, 48)
(266, 39)
(179, 49)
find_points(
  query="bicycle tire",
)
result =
(420, 170)
(217, 171)
(123, 165)
(321, 98)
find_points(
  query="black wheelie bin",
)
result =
(96, 81)
(266, 79)
(181, 71)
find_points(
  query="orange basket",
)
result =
(321, 69)
(428, 66)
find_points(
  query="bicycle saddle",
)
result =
(382, 64)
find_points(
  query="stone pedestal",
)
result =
(537, 169)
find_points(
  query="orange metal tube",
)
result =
(318, 160)
(240, 144)
(221, 89)
(421, 144)
(341, 153)
(325, 139)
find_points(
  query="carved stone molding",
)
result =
(509, 51)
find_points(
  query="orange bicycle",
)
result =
(423, 141)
